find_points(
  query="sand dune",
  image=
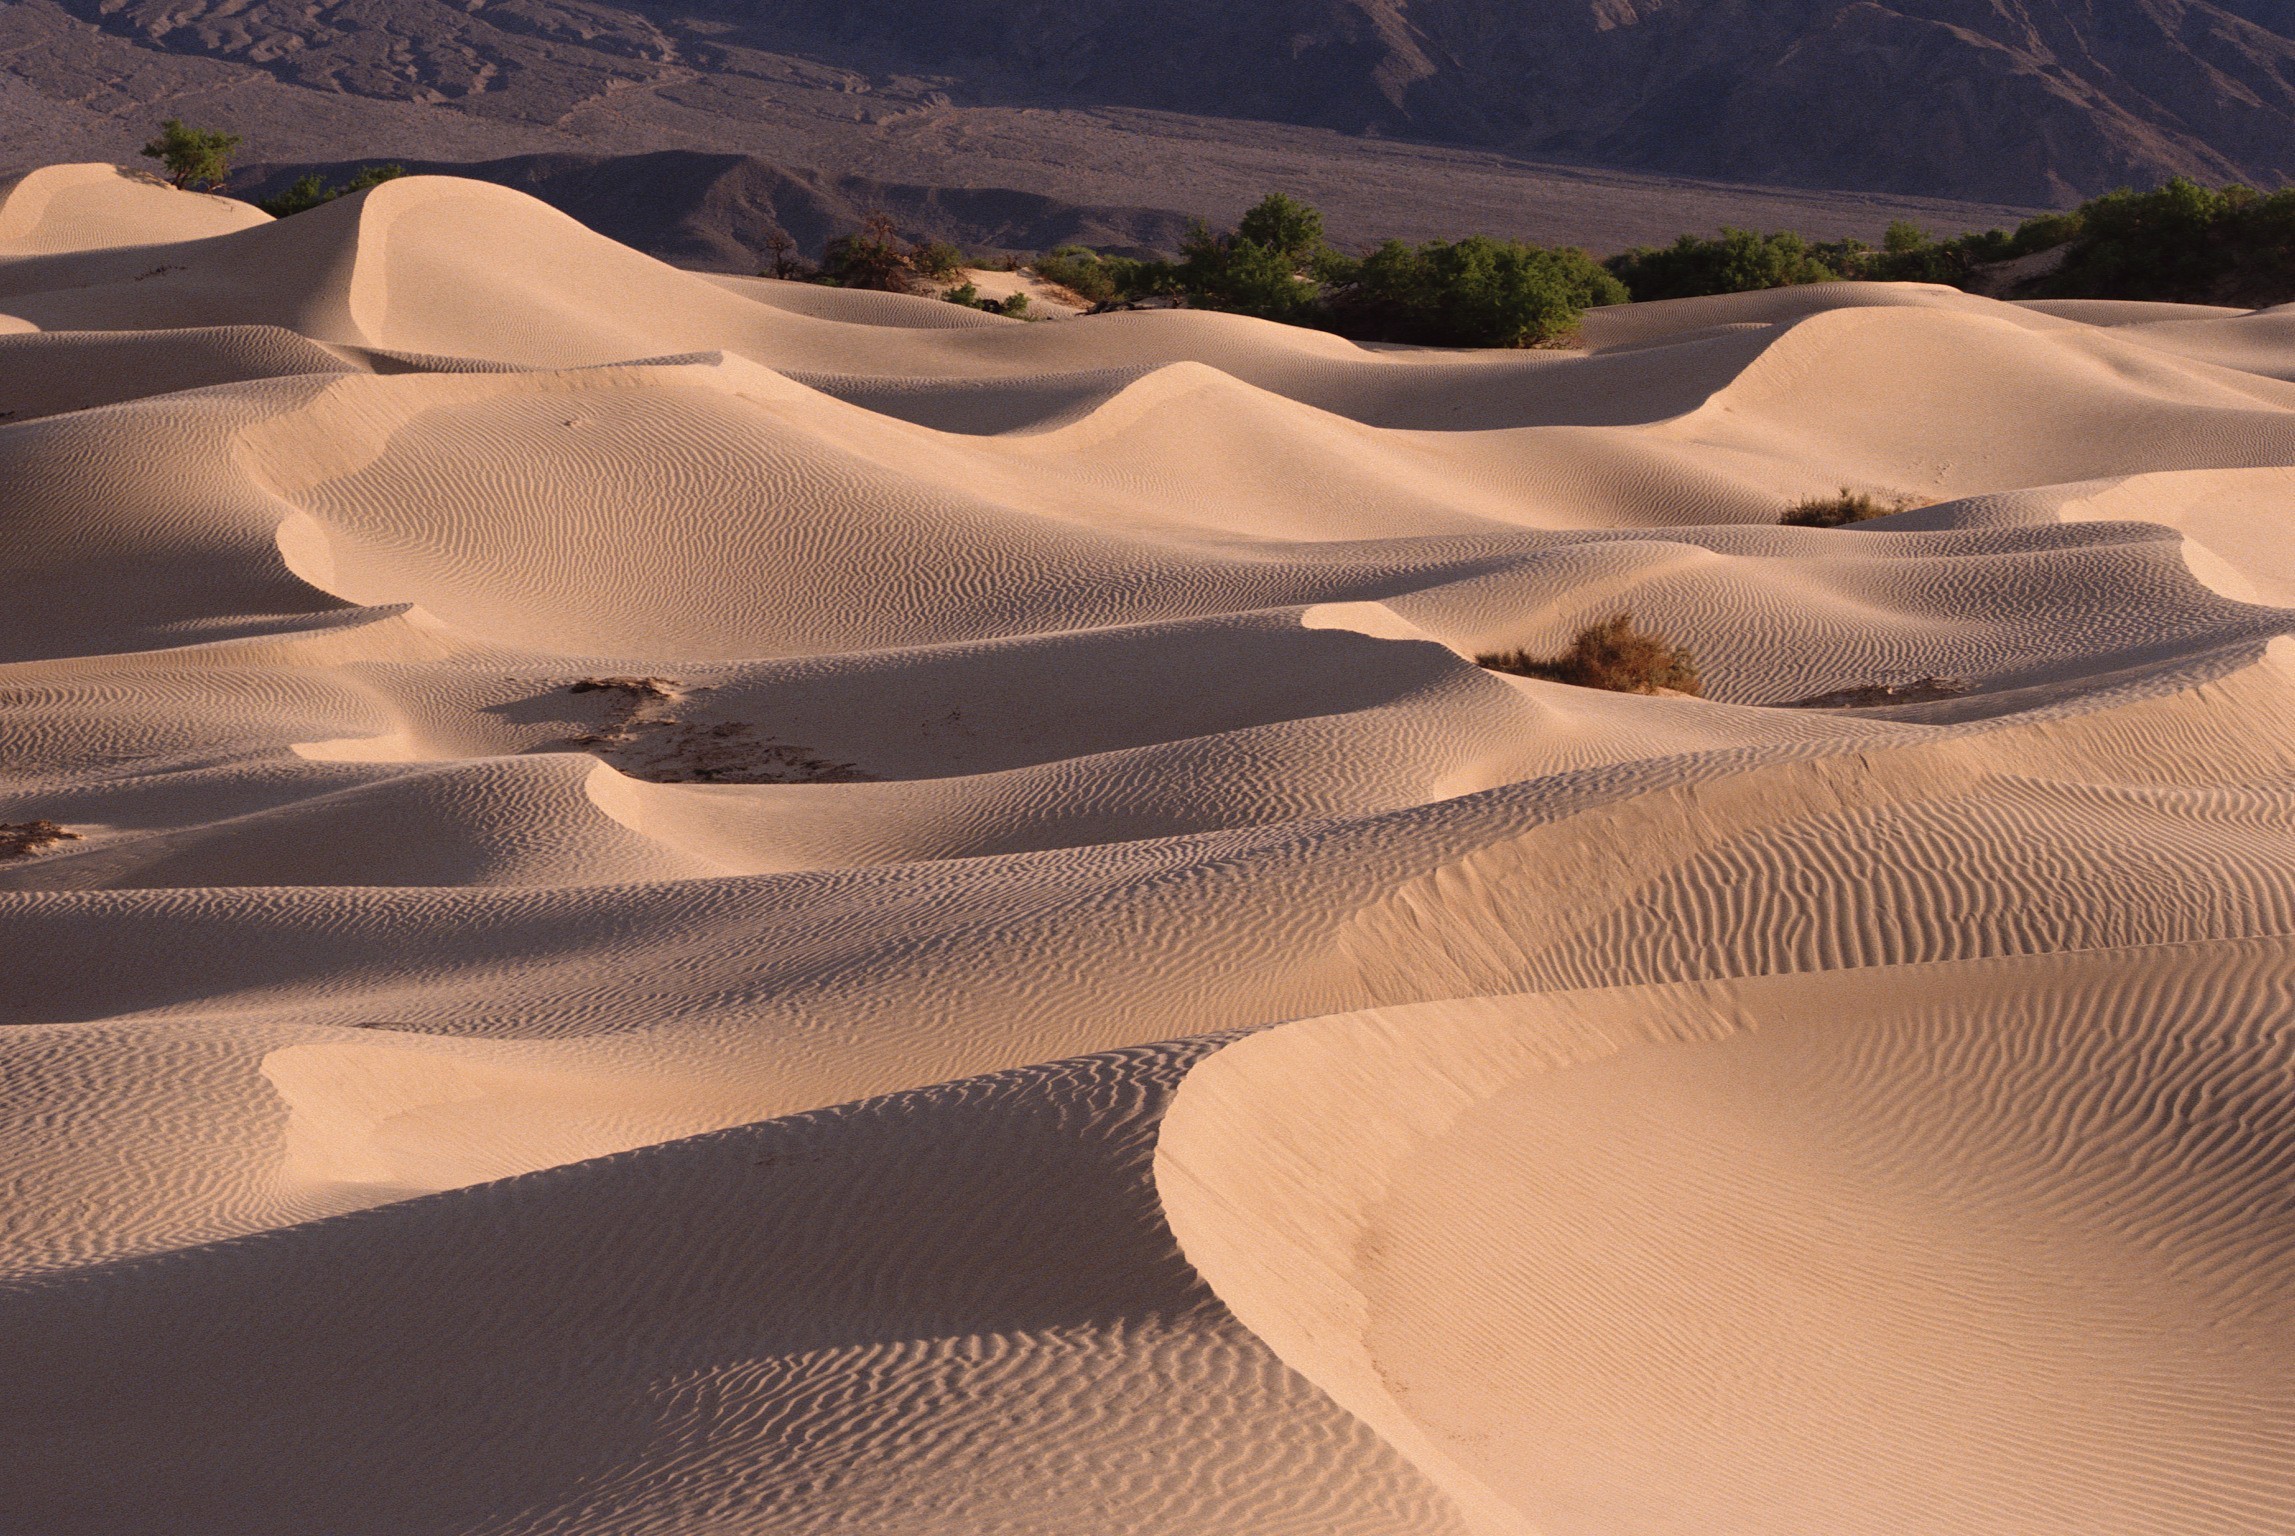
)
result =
(694, 904)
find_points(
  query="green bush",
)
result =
(196, 158)
(936, 259)
(1275, 264)
(2182, 242)
(872, 257)
(1243, 276)
(1738, 261)
(965, 293)
(1476, 292)
(310, 191)
(1087, 274)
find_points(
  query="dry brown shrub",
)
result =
(21, 839)
(1839, 511)
(1611, 654)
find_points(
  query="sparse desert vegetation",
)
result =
(1918, 690)
(1850, 506)
(21, 839)
(643, 732)
(1614, 654)
(311, 191)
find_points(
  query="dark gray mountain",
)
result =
(2025, 102)
(714, 212)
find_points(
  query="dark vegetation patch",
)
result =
(197, 159)
(2181, 243)
(311, 191)
(1613, 654)
(1839, 511)
(22, 839)
(644, 735)
(1276, 265)
(1919, 690)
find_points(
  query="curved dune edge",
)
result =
(90, 207)
(650, 850)
(1875, 1251)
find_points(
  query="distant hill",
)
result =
(2014, 101)
(713, 212)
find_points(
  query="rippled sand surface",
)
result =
(695, 906)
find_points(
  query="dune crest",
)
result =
(647, 903)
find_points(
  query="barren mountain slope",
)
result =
(2025, 101)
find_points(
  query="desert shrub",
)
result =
(1085, 273)
(2182, 242)
(968, 294)
(1235, 273)
(1476, 292)
(196, 158)
(1738, 261)
(1839, 511)
(1287, 229)
(20, 839)
(1613, 654)
(786, 263)
(310, 191)
(936, 259)
(873, 257)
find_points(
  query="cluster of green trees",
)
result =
(1276, 264)
(2181, 242)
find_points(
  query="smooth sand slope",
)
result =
(699, 906)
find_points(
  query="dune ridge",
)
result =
(691, 908)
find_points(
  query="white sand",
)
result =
(733, 1096)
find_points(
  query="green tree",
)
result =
(1903, 236)
(1284, 228)
(196, 158)
(1476, 292)
(874, 257)
(1739, 261)
(936, 259)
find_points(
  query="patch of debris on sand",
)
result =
(22, 839)
(645, 736)
(1920, 690)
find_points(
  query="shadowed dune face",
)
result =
(540, 730)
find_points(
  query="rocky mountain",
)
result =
(715, 212)
(2026, 102)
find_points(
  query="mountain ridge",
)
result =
(2014, 101)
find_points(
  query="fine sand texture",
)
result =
(635, 903)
